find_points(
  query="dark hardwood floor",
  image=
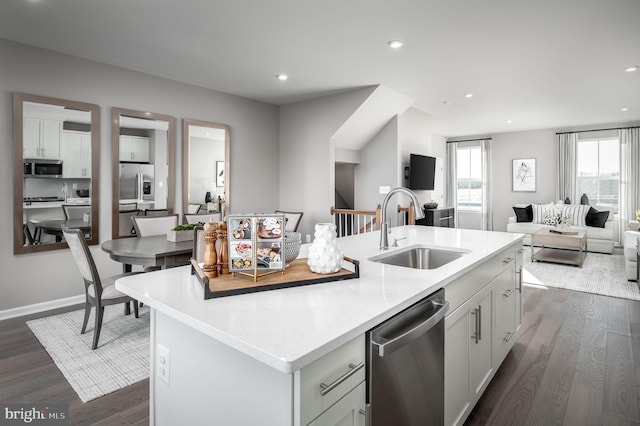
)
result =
(28, 374)
(576, 362)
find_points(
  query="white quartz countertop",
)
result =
(289, 328)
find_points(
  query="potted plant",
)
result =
(182, 232)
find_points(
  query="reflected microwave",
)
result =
(41, 168)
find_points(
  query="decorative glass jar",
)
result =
(325, 254)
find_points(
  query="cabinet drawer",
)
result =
(325, 381)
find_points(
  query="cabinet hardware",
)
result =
(508, 337)
(519, 274)
(507, 260)
(508, 293)
(477, 335)
(479, 322)
(361, 411)
(446, 218)
(331, 386)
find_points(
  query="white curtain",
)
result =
(452, 180)
(487, 214)
(629, 176)
(567, 170)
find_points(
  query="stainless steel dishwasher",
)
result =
(405, 369)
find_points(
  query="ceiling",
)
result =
(540, 64)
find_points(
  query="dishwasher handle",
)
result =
(388, 347)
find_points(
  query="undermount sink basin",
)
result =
(419, 257)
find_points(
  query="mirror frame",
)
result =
(115, 160)
(18, 170)
(186, 122)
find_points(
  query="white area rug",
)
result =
(600, 274)
(121, 358)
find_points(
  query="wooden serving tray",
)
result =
(296, 274)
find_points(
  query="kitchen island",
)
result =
(248, 359)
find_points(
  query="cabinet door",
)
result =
(50, 142)
(505, 306)
(140, 149)
(480, 350)
(31, 138)
(72, 154)
(519, 294)
(125, 148)
(456, 366)
(349, 411)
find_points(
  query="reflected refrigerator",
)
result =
(136, 182)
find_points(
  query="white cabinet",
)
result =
(41, 138)
(468, 355)
(326, 381)
(134, 148)
(480, 330)
(349, 411)
(75, 148)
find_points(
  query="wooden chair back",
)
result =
(147, 226)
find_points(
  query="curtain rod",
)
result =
(470, 140)
(598, 130)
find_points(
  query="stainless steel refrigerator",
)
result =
(136, 181)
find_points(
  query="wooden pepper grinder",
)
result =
(210, 266)
(223, 261)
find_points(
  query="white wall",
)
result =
(40, 277)
(414, 137)
(307, 153)
(505, 147)
(378, 167)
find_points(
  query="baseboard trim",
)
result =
(41, 307)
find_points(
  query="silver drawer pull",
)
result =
(507, 260)
(446, 218)
(508, 337)
(352, 370)
(508, 293)
(364, 413)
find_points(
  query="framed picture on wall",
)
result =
(524, 175)
(219, 173)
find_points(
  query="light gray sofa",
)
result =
(630, 245)
(599, 240)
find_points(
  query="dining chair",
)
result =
(292, 220)
(156, 212)
(125, 222)
(147, 226)
(75, 211)
(204, 218)
(98, 292)
(127, 207)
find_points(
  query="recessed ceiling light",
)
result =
(395, 44)
(468, 95)
(624, 109)
(509, 121)
(447, 103)
(631, 69)
(282, 77)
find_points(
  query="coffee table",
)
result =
(569, 249)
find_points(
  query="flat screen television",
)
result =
(422, 171)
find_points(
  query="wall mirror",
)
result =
(143, 167)
(205, 170)
(56, 171)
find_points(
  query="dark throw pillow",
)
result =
(595, 218)
(524, 214)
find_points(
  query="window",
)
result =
(598, 172)
(469, 177)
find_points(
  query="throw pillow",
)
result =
(549, 217)
(596, 218)
(524, 214)
(538, 212)
(575, 214)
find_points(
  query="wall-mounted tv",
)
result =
(422, 171)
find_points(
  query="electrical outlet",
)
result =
(384, 189)
(163, 364)
(75, 186)
(308, 238)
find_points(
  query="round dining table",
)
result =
(54, 227)
(148, 251)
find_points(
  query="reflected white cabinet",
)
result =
(134, 148)
(41, 138)
(75, 148)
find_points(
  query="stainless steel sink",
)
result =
(419, 257)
